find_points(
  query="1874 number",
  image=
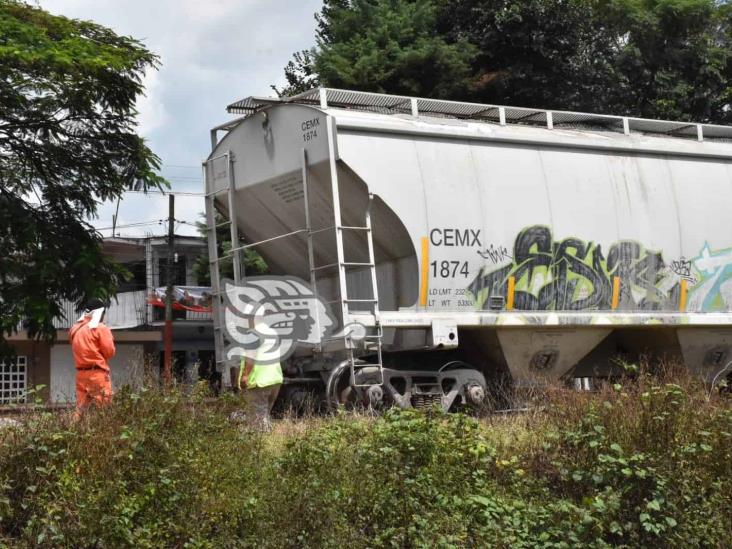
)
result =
(449, 269)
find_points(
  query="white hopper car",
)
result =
(479, 242)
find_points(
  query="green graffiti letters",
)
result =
(575, 275)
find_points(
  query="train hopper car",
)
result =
(477, 242)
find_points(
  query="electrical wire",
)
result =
(164, 193)
(177, 221)
(129, 225)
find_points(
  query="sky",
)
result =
(213, 52)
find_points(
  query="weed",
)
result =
(646, 461)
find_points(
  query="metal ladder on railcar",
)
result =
(342, 264)
(213, 255)
(345, 301)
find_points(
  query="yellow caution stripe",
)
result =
(425, 272)
(682, 296)
(616, 293)
(511, 292)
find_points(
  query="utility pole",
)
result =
(114, 217)
(168, 358)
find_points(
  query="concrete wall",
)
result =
(126, 368)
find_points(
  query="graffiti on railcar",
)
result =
(495, 254)
(713, 288)
(683, 268)
(573, 274)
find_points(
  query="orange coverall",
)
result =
(91, 348)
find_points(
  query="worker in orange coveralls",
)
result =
(92, 346)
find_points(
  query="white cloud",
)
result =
(151, 108)
(212, 53)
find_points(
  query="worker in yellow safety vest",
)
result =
(261, 382)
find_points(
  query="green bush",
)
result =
(644, 464)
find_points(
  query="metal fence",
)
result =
(197, 316)
(127, 310)
(503, 115)
(14, 380)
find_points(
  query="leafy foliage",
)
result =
(656, 58)
(646, 464)
(551, 54)
(672, 58)
(383, 46)
(251, 261)
(67, 141)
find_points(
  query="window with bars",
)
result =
(13, 380)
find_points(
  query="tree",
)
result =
(389, 46)
(651, 58)
(67, 141)
(673, 58)
(537, 53)
(251, 260)
(300, 74)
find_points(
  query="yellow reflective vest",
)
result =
(262, 375)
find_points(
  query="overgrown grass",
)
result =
(644, 463)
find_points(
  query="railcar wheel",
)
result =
(473, 393)
(341, 395)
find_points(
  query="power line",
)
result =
(186, 175)
(128, 225)
(146, 235)
(164, 193)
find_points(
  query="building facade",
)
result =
(136, 325)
